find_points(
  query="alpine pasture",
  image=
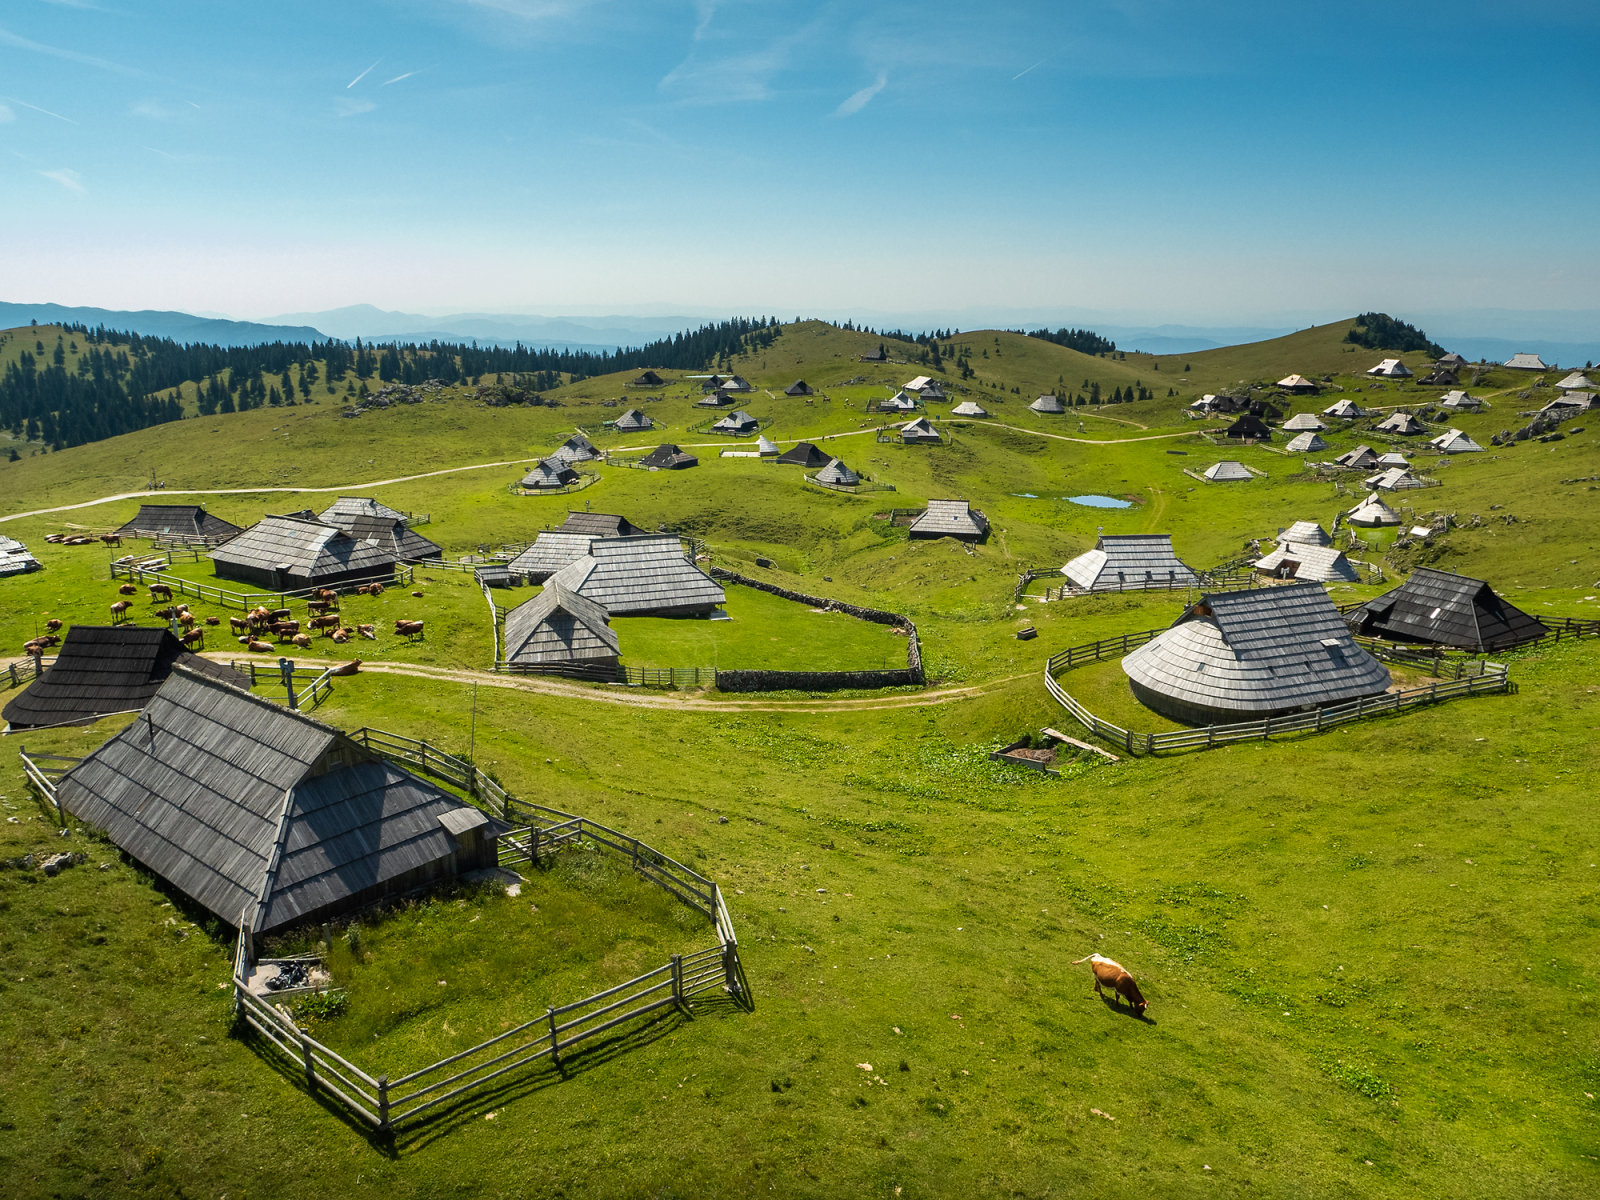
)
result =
(1369, 953)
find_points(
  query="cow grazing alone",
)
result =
(410, 629)
(111, 539)
(120, 607)
(160, 591)
(1113, 975)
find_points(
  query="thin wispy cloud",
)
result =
(856, 101)
(361, 76)
(6, 115)
(67, 178)
(17, 42)
(398, 78)
(736, 77)
(37, 109)
(1025, 70)
(348, 107)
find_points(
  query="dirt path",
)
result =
(514, 462)
(677, 701)
(1158, 505)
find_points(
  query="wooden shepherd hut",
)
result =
(262, 815)
(1248, 428)
(1362, 458)
(1453, 441)
(576, 449)
(1245, 656)
(1305, 533)
(668, 457)
(803, 454)
(1306, 443)
(1401, 424)
(836, 474)
(1344, 410)
(1460, 401)
(1525, 362)
(641, 577)
(190, 522)
(1443, 609)
(633, 421)
(366, 520)
(1302, 422)
(559, 628)
(104, 669)
(1390, 368)
(920, 433)
(1297, 385)
(647, 379)
(1372, 512)
(1307, 563)
(15, 559)
(799, 388)
(1048, 405)
(950, 518)
(1226, 471)
(549, 475)
(739, 424)
(969, 408)
(291, 553)
(1130, 562)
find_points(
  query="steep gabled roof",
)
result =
(1455, 442)
(551, 550)
(766, 447)
(14, 557)
(1402, 424)
(250, 808)
(1449, 610)
(368, 521)
(1129, 562)
(347, 507)
(1250, 653)
(1391, 368)
(600, 524)
(919, 430)
(308, 548)
(798, 388)
(647, 379)
(1307, 562)
(640, 576)
(1393, 459)
(1306, 533)
(670, 457)
(550, 473)
(969, 408)
(1249, 426)
(737, 422)
(177, 520)
(632, 420)
(1395, 479)
(1346, 409)
(804, 454)
(103, 669)
(1574, 382)
(838, 474)
(1362, 457)
(575, 449)
(1297, 383)
(950, 518)
(1460, 399)
(558, 626)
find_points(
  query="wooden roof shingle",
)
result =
(559, 626)
(306, 548)
(1445, 609)
(1130, 562)
(640, 576)
(177, 520)
(950, 518)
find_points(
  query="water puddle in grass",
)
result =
(1099, 501)
(1025, 495)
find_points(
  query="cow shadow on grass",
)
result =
(1126, 1010)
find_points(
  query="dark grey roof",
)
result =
(798, 388)
(558, 626)
(104, 669)
(632, 420)
(177, 520)
(1394, 479)
(551, 550)
(1249, 426)
(251, 809)
(1450, 610)
(838, 474)
(669, 457)
(1129, 562)
(648, 379)
(640, 576)
(1253, 653)
(600, 524)
(950, 518)
(803, 454)
(308, 549)
(550, 473)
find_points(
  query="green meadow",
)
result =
(1369, 954)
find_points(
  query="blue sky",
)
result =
(1157, 159)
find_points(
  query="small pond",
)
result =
(1100, 501)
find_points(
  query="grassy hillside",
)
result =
(1370, 954)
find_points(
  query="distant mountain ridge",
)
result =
(179, 326)
(371, 323)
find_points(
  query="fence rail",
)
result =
(29, 668)
(1468, 677)
(244, 601)
(385, 1104)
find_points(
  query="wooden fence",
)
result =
(399, 576)
(42, 771)
(1468, 677)
(386, 1104)
(1238, 581)
(19, 673)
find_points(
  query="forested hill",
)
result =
(85, 384)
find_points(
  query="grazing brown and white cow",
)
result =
(160, 591)
(120, 607)
(410, 629)
(194, 637)
(111, 539)
(239, 624)
(1111, 974)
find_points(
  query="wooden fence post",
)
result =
(383, 1103)
(310, 1063)
(550, 1015)
(677, 982)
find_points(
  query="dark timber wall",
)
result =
(821, 681)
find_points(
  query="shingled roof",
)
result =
(837, 474)
(177, 520)
(103, 669)
(1239, 656)
(1306, 533)
(1394, 479)
(1301, 422)
(1390, 368)
(633, 421)
(366, 520)
(737, 422)
(920, 430)
(1402, 424)
(551, 550)
(950, 518)
(1296, 383)
(1249, 426)
(1359, 459)
(288, 551)
(1129, 562)
(640, 576)
(1306, 443)
(549, 474)
(669, 457)
(1345, 409)
(1448, 610)
(576, 448)
(1049, 404)
(251, 809)
(599, 524)
(803, 454)
(1460, 400)
(799, 388)
(559, 626)
(1372, 512)
(1306, 562)
(1453, 441)
(15, 558)
(1227, 471)
(969, 408)
(1525, 362)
